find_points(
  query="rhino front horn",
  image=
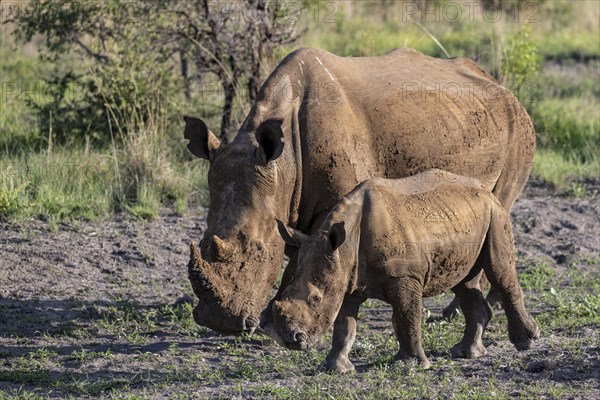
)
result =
(198, 273)
(195, 256)
(223, 250)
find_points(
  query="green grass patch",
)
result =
(69, 184)
(537, 277)
(134, 323)
(89, 387)
(563, 173)
(61, 185)
(367, 36)
(31, 368)
(10, 194)
(20, 83)
(25, 376)
(22, 394)
(571, 44)
(359, 37)
(569, 80)
(570, 126)
(569, 310)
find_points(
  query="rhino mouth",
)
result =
(250, 324)
(227, 298)
(297, 345)
(290, 339)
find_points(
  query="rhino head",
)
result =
(312, 300)
(238, 260)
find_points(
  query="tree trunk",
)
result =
(185, 74)
(226, 119)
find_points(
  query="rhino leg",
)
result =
(498, 260)
(405, 295)
(477, 315)
(493, 298)
(344, 333)
(452, 310)
(512, 179)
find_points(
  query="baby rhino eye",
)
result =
(314, 299)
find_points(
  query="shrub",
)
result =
(10, 198)
(520, 59)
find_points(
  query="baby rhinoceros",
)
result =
(399, 241)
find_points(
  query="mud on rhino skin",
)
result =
(320, 125)
(399, 241)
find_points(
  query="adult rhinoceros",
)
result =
(322, 124)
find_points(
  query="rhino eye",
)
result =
(314, 299)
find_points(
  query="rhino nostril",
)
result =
(300, 337)
(251, 322)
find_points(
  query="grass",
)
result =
(569, 79)
(564, 44)
(110, 360)
(150, 168)
(69, 184)
(123, 349)
(563, 173)
(59, 185)
(18, 128)
(41, 177)
(570, 126)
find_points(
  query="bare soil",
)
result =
(68, 291)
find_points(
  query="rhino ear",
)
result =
(290, 235)
(336, 235)
(269, 136)
(202, 141)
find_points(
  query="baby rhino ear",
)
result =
(336, 235)
(291, 236)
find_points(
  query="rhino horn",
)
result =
(223, 250)
(195, 257)
(199, 273)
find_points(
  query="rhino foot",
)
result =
(523, 338)
(423, 361)
(461, 350)
(340, 365)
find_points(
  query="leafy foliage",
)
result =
(521, 59)
(117, 46)
(9, 198)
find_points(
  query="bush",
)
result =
(10, 198)
(520, 59)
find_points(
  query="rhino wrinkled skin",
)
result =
(322, 124)
(399, 241)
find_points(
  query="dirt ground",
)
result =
(101, 309)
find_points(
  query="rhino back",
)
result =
(434, 235)
(389, 116)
